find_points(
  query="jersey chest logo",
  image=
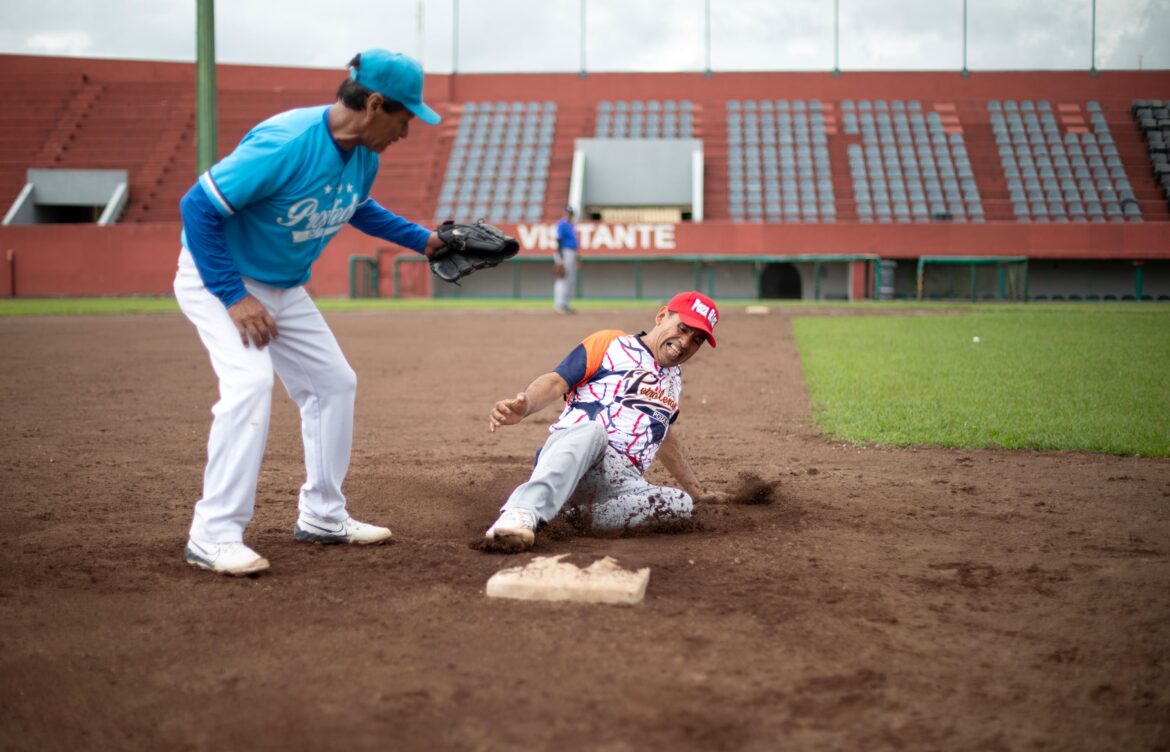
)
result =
(641, 390)
(318, 222)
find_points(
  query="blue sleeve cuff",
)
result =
(203, 230)
(373, 219)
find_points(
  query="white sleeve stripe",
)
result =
(213, 191)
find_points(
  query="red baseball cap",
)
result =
(697, 311)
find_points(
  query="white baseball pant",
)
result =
(582, 455)
(563, 288)
(317, 377)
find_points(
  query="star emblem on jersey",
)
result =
(329, 189)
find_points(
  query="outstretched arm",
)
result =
(674, 458)
(543, 390)
(374, 219)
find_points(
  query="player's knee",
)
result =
(597, 438)
(248, 383)
(590, 433)
(343, 381)
(596, 433)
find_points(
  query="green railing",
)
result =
(973, 261)
(365, 276)
(703, 266)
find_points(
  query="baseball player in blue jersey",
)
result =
(565, 260)
(252, 227)
(621, 394)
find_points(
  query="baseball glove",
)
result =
(470, 248)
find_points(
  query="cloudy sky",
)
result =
(619, 35)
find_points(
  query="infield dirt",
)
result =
(885, 599)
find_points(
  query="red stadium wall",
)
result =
(80, 260)
(71, 260)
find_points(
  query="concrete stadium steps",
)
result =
(715, 179)
(71, 119)
(155, 200)
(137, 127)
(1131, 147)
(573, 122)
(33, 107)
(983, 153)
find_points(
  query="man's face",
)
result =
(382, 128)
(671, 341)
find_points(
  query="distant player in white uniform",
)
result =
(622, 396)
(252, 227)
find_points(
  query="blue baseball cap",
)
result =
(394, 76)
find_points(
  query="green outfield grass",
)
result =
(1092, 377)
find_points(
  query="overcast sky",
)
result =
(620, 35)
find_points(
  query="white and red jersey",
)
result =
(614, 379)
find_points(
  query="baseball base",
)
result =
(547, 578)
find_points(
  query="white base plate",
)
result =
(547, 578)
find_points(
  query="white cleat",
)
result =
(312, 530)
(514, 531)
(233, 559)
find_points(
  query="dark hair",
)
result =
(353, 95)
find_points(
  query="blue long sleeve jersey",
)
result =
(203, 229)
(267, 210)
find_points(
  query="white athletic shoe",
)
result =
(514, 531)
(234, 559)
(313, 530)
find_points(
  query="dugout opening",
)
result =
(780, 281)
(70, 196)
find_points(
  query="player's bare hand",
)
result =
(713, 497)
(509, 412)
(433, 245)
(253, 322)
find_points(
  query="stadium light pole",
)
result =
(582, 72)
(1093, 39)
(205, 131)
(454, 37)
(422, 36)
(965, 71)
(707, 37)
(836, 37)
